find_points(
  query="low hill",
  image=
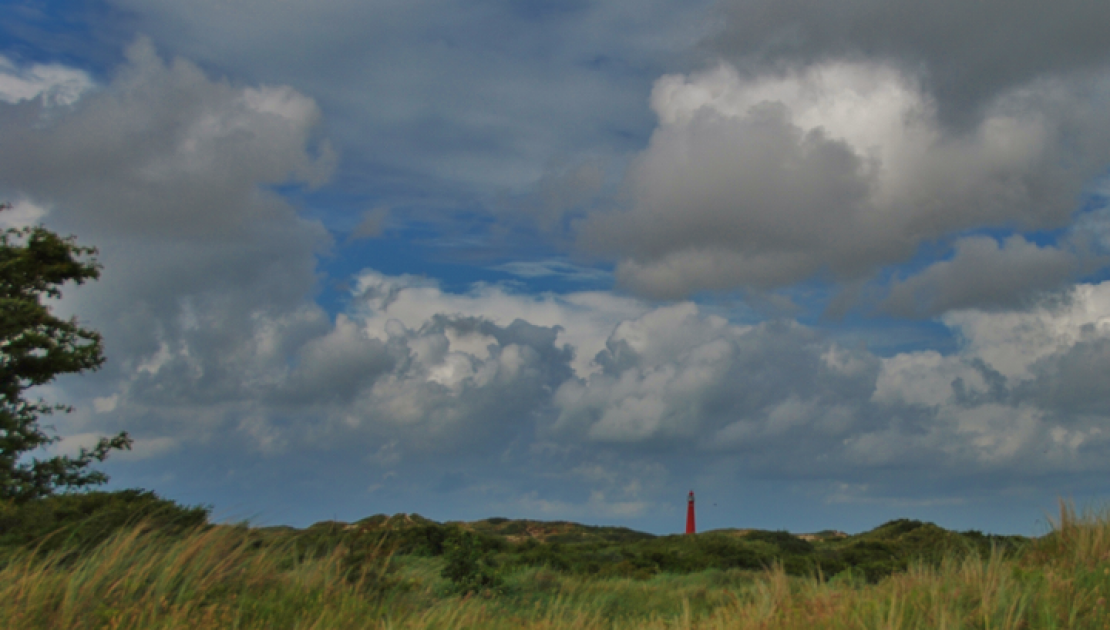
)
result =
(85, 520)
(619, 551)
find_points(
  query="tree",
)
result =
(35, 347)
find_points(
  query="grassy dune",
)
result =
(237, 577)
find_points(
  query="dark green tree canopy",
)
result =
(35, 347)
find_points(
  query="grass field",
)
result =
(237, 577)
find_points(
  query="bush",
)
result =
(788, 543)
(469, 567)
(626, 569)
(874, 560)
(726, 552)
(81, 521)
(423, 540)
(368, 564)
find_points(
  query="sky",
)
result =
(826, 264)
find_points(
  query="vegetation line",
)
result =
(82, 561)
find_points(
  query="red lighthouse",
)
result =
(690, 527)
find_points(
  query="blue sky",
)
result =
(825, 264)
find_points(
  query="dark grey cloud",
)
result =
(561, 195)
(168, 173)
(372, 224)
(335, 367)
(985, 275)
(1072, 381)
(432, 101)
(967, 53)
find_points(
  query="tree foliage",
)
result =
(35, 347)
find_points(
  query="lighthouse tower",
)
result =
(691, 528)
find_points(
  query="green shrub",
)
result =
(726, 552)
(874, 560)
(788, 543)
(368, 564)
(469, 566)
(423, 540)
(627, 569)
(79, 521)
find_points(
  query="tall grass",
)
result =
(222, 577)
(214, 578)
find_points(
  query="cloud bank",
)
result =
(792, 158)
